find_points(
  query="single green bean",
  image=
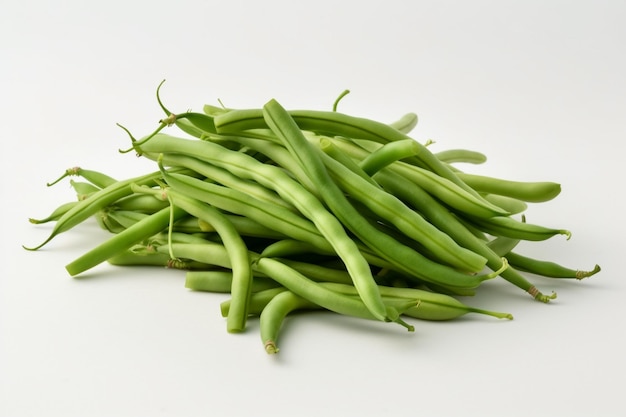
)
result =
(98, 179)
(388, 154)
(406, 123)
(533, 192)
(143, 229)
(56, 213)
(451, 156)
(222, 282)
(510, 227)
(547, 268)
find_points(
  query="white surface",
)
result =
(537, 86)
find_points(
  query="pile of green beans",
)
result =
(313, 210)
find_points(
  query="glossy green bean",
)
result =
(406, 123)
(96, 178)
(510, 227)
(388, 154)
(548, 268)
(221, 281)
(535, 192)
(55, 214)
(451, 156)
(143, 229)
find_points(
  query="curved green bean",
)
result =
(547, 268)
(532, 192)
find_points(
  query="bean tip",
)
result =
(271, 348)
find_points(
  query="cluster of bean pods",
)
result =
(308, 210)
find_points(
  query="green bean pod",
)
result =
(406, 123)
(451, 156)
(221, 281)
(533, 192)
(388, 154)
(547, 268)
(143, 229)
(509, 227)
(56, 213)
(96, 178)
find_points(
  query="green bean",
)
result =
(451, 156)
(509, 227)
(293, 192)
(327, 146)
(388, 154)
(98, 201)
(222, 282)
(125, 218)
(431, 306)
(274, 313)
(235, 246)
(132, 258)
(406, 123)
(532, 192)
(510, 204)
(83, 189)
(501, 245)
(56, 213)
(290, 247)
(143, 229)
(98, 179)
(258, 301)
(547, 268)
(245, 226)
(141, 203)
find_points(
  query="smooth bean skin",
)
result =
(273, 316)
(406, 123)
(96, 178)
(222, 282)
(509, 227)
(388, 154)
(451, 156)
(56, 213)
(258, 301)
(547, 268)
(143, 229)
(532, 192)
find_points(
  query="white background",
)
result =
(538, 86)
